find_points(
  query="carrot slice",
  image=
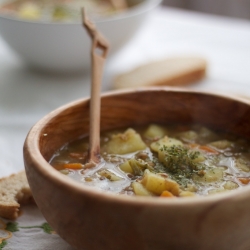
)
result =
(73, 165)
(203, 147)
(208, 149)
(166, 194)
(244, 180)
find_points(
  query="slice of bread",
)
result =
(14, 190)
(176, 71)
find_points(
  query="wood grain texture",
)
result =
(93, 220)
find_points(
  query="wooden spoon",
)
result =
(99, 53)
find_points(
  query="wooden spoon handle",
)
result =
(95, 103)
(99, 53)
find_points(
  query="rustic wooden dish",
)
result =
(93, 220)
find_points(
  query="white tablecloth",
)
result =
(26, 96)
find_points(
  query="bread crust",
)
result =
(176, 71)
(14, 190)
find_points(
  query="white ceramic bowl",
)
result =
(66, 46)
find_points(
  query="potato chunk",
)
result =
(139, 189)
(187, 194)
(242, 165)
(156, 183)
(222, 144)
(230, 185)
(211, 175)
(30, 11)
(189, 136)
(154, 131)
(125, 143)
(165, 141)
(207, 135)
(125, 167)
(216, 191)
(134, 166)
(109, 175)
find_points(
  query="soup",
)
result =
(57, 10)
(165, 161)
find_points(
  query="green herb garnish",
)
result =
(180, 161)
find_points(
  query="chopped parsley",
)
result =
(180, 161)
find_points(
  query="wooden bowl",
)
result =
(89, 219)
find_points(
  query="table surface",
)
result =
(26, 96)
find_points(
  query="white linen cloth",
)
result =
(26, 96)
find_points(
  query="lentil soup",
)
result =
(155, 160)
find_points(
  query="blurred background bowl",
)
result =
(65, 47)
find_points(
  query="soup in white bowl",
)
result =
(64, 46)
(59, 10)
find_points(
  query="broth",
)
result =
(155, 160)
